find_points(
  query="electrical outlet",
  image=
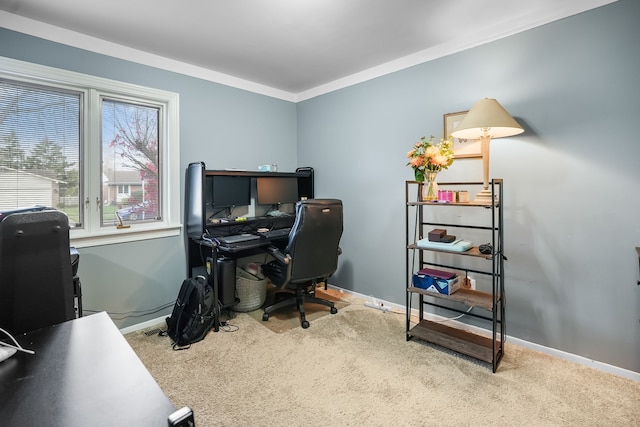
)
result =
(377, 305)
(469, 283)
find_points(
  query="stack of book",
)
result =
(442, 282)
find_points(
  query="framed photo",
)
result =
(462, 148)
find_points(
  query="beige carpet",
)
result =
(355, 368)
(287, 318)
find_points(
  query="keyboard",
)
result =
(238, 238)
(275, 234)
(240, 242)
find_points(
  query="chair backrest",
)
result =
(314, 239)
(36, 282)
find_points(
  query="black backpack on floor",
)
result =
(193, 313)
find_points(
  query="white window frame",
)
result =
(93, 88)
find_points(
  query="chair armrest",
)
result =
(277, 254)
(279, 278)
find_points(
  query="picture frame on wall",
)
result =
(462, 148)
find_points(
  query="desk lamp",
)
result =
(487, 119)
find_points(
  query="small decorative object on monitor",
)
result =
(268, 168)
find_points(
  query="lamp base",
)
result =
(484, 197)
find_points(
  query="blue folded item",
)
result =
(458, 245)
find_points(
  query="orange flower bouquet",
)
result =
(426, 156)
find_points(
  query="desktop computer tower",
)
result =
(226, 281)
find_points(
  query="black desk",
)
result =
(84, 373)
(198, 250)
(209, 249)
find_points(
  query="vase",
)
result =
(430, 187)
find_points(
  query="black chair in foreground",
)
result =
(310, 257)
(36, 272)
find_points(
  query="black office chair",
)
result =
(310, 257)
(36, 272)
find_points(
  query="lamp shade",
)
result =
(487, 115)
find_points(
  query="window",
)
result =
(123, 191)
(130, 139)
(40, 147)
(104, 152)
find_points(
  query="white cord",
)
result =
(16, 346)
(453, 318)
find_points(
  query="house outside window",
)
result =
(103, 152)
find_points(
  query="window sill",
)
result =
(134, 234)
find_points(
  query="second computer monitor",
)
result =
(276, 190)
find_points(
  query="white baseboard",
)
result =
(600, 366)
(604, 367)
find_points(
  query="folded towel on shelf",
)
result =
(458, 245)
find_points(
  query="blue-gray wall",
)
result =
(571, 179)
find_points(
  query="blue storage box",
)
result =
(434, 284)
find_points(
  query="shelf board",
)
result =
(474, 251)
(458, 340)
(257, 174)
(473, 204)
(470, 297)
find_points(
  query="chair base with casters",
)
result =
(301, 296)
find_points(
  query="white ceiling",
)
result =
(295, 47)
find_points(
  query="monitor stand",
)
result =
(276, 213)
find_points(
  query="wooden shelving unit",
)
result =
(487, 306)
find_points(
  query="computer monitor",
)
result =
(276, 190)
(230, 191)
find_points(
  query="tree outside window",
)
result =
(130, 158)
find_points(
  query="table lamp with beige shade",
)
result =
(487, 119)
